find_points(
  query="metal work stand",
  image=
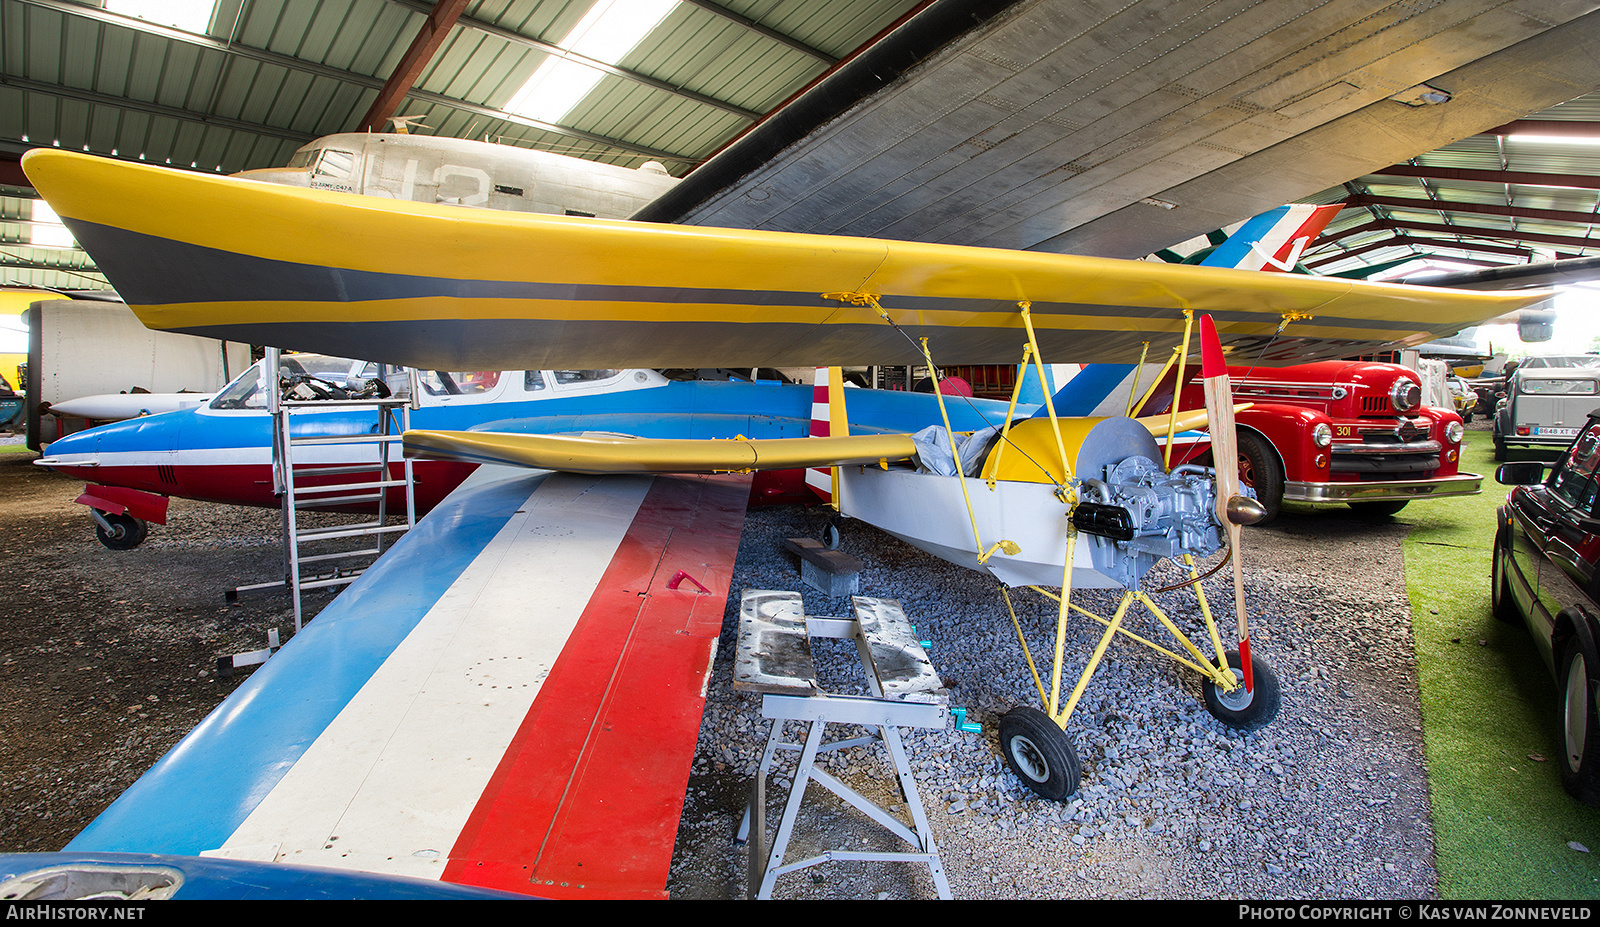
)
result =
(774, 658)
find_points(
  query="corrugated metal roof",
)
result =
(270, 75)
(1495, 198)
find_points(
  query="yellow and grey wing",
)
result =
(622, 454)
(452, 288)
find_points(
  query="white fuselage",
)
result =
(435, 169)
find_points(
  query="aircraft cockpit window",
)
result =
(336, 163)
(532, 380)
(243, 393)
(583, 377)
(459, 382)
(397, 380)
(310, 377)
(304, 157)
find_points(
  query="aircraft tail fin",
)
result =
(1273, 240)
(828, 419)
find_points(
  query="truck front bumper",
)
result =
(1462, 484)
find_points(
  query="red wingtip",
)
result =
(1212, 363)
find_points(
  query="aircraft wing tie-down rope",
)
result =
(1232, 510)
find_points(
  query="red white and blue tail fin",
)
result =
(1273, 240)
(827, 419)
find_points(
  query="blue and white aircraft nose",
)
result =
(92, 447)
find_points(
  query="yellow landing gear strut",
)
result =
(1034, 740)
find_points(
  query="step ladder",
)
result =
(774, 659)
(302, 484)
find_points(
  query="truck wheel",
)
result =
(1259, 469)
(1378, 509)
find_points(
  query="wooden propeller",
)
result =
(1234, 508)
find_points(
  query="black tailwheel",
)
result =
(1243, 709)
(1039, 753)
(126, 532)
(1580, 726)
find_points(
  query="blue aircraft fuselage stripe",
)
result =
(693, 409)
(200, 791)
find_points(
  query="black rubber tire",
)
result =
(1378, 509)
(1259, 469)
(1578, 675)
(831, 535)
(1501, 603)
(1039, 753)
(1247, 711)
(1499, 450)
(126, 531)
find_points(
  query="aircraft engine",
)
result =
(1138, 515)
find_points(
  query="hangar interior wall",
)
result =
(86, 348)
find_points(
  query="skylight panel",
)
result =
(188, 15)
(50, 232)
(610, 30)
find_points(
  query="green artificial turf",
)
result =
(1503, 825)
(14, 449)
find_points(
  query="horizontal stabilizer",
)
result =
(609, 453)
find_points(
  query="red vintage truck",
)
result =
(1352, 432)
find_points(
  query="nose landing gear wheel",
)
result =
(1039, 753)
(126, 532)
(1247, 711)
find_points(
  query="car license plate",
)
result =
(1555, 432)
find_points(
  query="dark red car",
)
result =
(1545, 557)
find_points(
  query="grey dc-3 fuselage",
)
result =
(436, 169)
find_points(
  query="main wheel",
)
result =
(1501, 605)
(126, 531)
(1259, 469)
(1247, 711)
(1378, 509)
(1580, 755)
(1039, 752)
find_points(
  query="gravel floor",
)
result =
(1328, 801)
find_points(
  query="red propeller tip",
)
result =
(1212, 363)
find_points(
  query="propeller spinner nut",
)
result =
(1243, 510)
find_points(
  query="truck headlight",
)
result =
(1322, 434)
(1454, 431)
(1405, 395)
